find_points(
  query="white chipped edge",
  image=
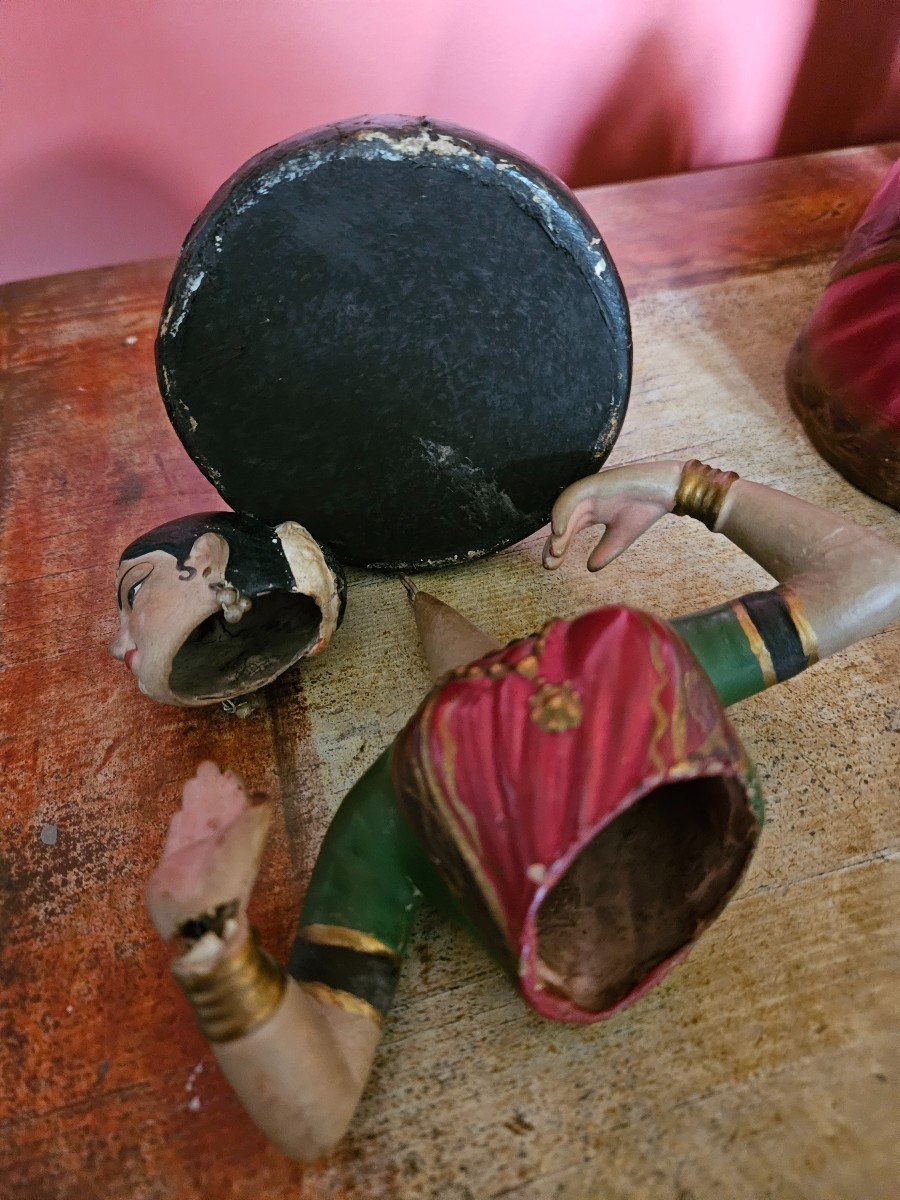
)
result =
(312, 577)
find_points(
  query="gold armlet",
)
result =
(702, 491)
(241, 991)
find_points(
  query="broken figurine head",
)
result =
(215, 605)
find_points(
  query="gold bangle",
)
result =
(702, 491)
(241, 991)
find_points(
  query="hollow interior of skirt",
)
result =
(642, 889)
(220, 660)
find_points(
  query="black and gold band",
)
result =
(780, 636)
(345, 967)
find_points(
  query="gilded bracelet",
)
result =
(701, 492)
(241, 991)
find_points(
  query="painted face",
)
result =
(160, 605)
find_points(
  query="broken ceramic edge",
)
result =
(216, 605)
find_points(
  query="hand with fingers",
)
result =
(296, 1062)
(210, 860)
(627, 500)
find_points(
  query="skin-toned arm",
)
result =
(297, 1065)
(297, 1046)
(846, 578)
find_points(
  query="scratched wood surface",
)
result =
(762, 1068)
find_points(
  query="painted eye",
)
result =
(140, 573)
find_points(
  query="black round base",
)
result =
(401, 335)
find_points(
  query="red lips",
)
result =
(129, 655)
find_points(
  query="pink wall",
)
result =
(118, 118)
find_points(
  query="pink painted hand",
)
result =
(211, 856)
(627, 500)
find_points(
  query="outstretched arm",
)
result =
(839, 582)
(296, 1046)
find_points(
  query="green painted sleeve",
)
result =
(370, 867)
(754, 641)
(723, 649)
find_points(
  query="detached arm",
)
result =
(297, 1064)
(839, 582)
(297, 1045)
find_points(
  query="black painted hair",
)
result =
(256, 559)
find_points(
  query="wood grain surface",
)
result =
(764, 1067)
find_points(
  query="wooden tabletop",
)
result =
(761, 1068)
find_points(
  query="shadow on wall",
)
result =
(639, 130)
(85, 197)
(851, 70)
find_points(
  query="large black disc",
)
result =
(403, 336)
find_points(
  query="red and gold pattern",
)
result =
(515, 763)
(843, 373)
